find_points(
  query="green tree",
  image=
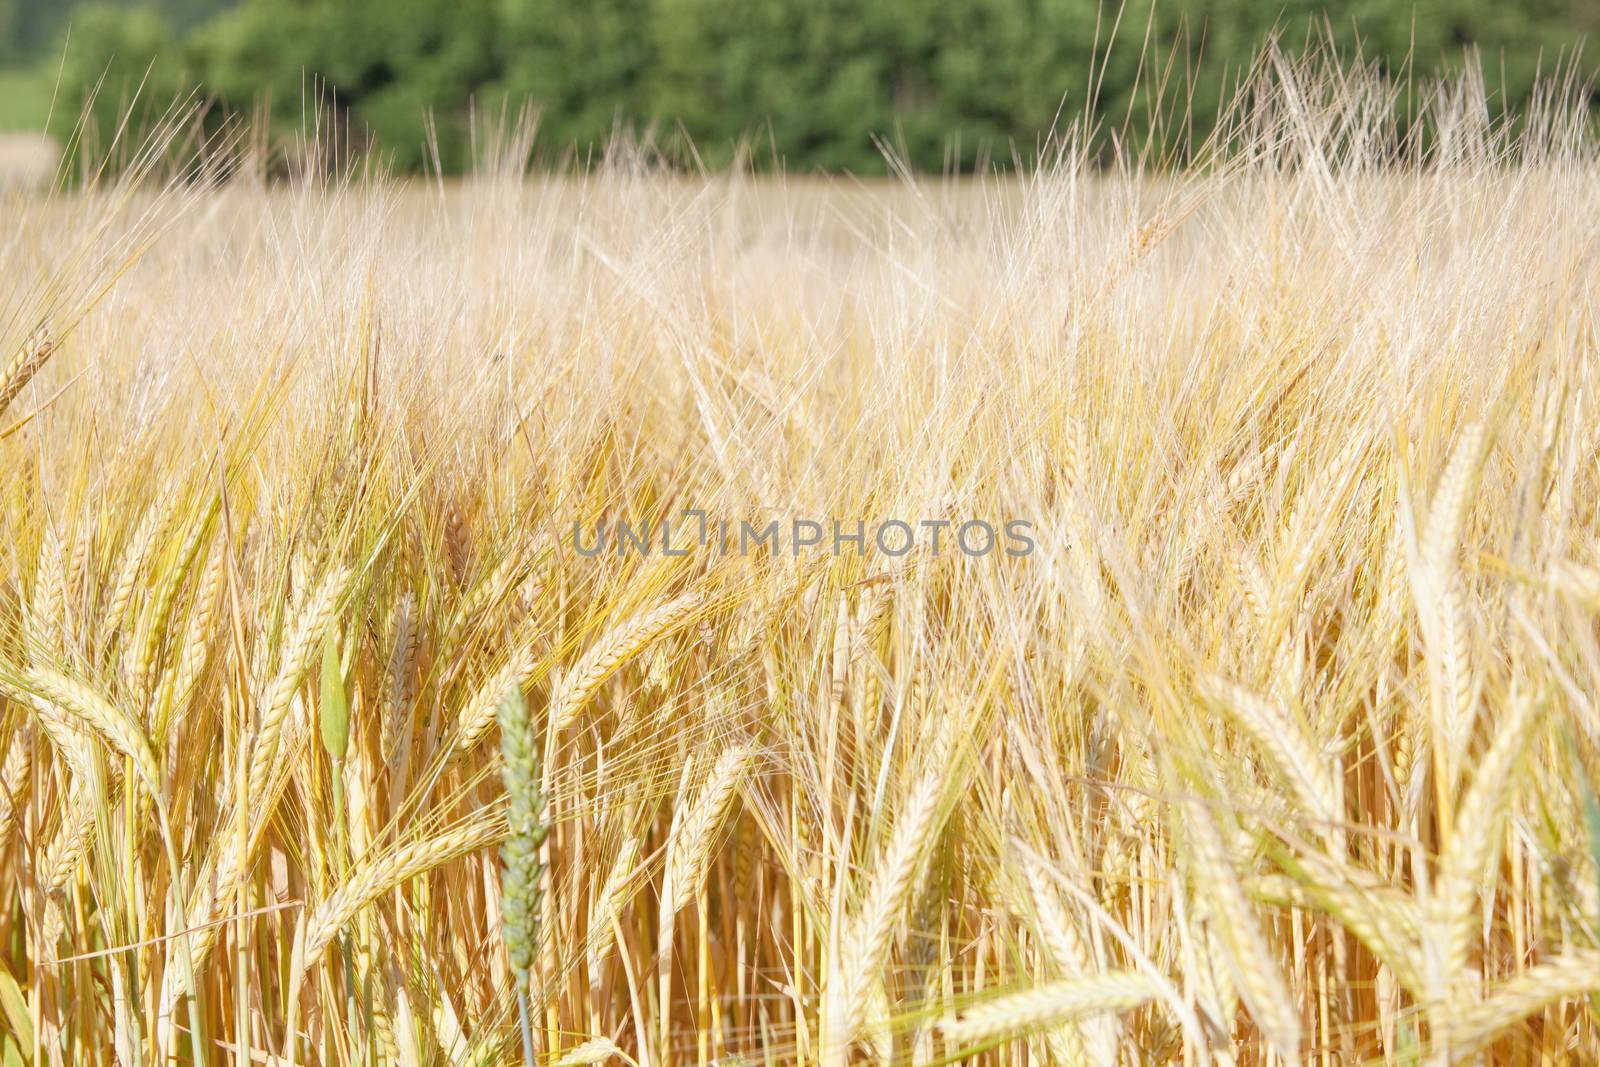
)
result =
(386, 64)
(947, 84)
(11, 44)
(582, 64)
(815, 84)
(126, 67)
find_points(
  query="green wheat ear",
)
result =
(520, 869)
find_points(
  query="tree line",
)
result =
(813, 84)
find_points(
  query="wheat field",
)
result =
(334, 734)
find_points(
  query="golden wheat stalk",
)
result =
(1049, 1005)
(1475, 838)
(479, 713)
(119, 730)
(1286, 743)
(1256, 975)
(614, 649)
(300, 646)
(1573, 974)
(36, 352)
(694, 838)
(381, 872)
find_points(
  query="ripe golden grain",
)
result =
(1280, 747)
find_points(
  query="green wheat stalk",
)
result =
(520, 869)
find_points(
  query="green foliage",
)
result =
(946, 85)
(585, 65)
(815, 84)
(24, 99)
(123, 63)
(31, 28)
(386, 66)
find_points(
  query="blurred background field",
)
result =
(812, 85)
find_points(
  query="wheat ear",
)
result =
(133, 559)
(15, 779)
(1574, 974)
(489, 698)
(35, 353)
(298, 652)
(521, 871)
(71, 841)
(595, 1050)
(1255, 975)
(1447, 512)
(690, 849)
(380, 873)
(114, 726)
(177, 684)
(1285, 742)
(1051, 1005)
(124, 734)
(1466, 853)
(397, 677)
(615, 648)
(1066, 951)
(609, 902)
(899, 873)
